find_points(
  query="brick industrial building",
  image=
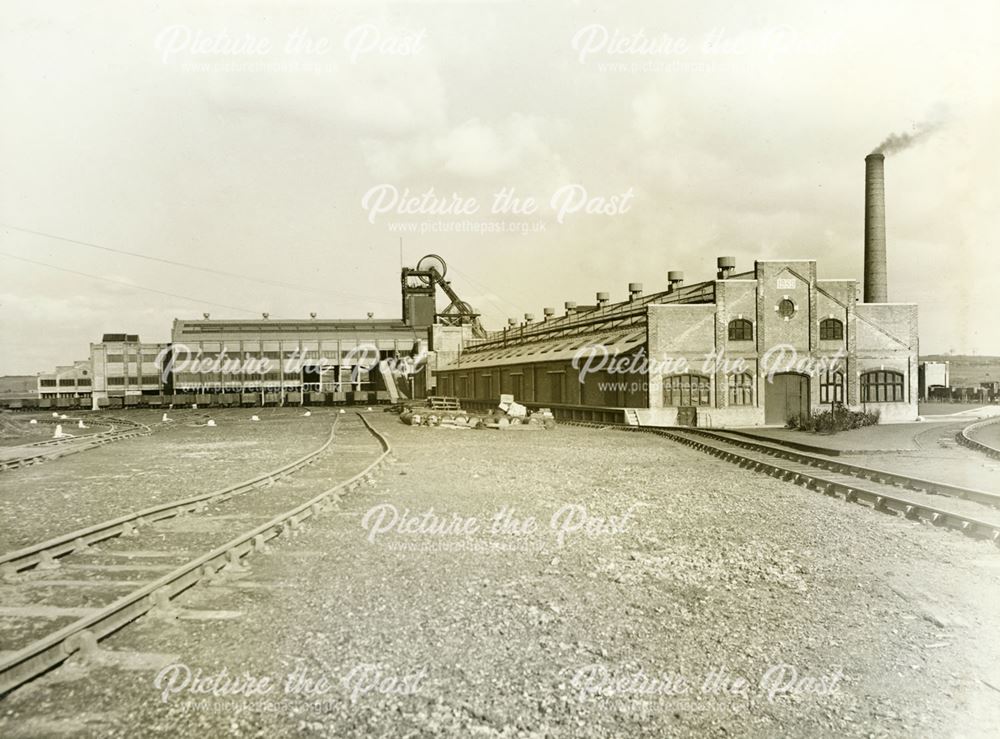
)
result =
(748, 325)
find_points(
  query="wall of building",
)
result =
(67, 381)
(741, 380)
(554, 383)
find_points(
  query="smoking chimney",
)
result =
(875, 272)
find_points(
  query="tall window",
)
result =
(741, 389)
(882, 386)
(831, 387)
(830, 329)
(685, 390)
(740, 329)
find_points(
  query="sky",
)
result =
(283, 157)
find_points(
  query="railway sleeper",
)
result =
(161, 605)
(82, 647)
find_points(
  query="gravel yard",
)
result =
(178, 460)
(16, 429)
(684, 597)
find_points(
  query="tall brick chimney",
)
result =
(875, 269)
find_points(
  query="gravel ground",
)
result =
(715, 573)
(16, 429)
(176, 461)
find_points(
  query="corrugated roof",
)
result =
(554, 350)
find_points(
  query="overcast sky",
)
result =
(249, 137)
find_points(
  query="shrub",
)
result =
(831, 421)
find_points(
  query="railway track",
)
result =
(37, 452)
(973, 512)
(74, 585)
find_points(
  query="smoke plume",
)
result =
(896, 142)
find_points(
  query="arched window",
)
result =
(740, 329)
(830, 329)
(741, 389)
(882, 386)
(685, 390)
(831, 387)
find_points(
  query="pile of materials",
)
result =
(447, 413)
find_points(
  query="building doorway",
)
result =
(787, 396)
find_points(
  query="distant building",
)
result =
(124, 367)
(273, 361)
(933, 376)
(67, 381)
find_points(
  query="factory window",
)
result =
(740, 330)
(116, 380)
(685, 390)
(150, 357)
(83, 382)
(47, 383)
(786, 308)
(882, 386)
(741, 389)
(115, 358)
(67, 383)
(830, 329)
(831, 387)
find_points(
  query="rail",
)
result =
(51, 650)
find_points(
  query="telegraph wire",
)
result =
(210, 270)
(127, 284)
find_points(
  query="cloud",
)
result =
(474, 149)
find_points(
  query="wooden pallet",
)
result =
(443, 403)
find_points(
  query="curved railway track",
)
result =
(37, 452)
(973, 512)
(966, 440)
(192, 549)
